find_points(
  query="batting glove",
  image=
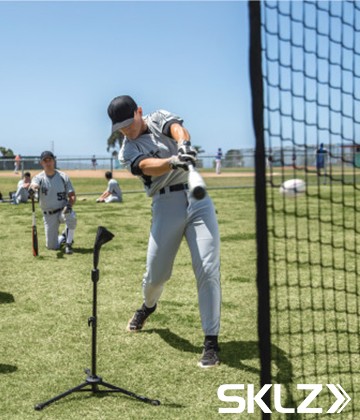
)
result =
(31, 192)
(67, 209)
(182, 162)
(187, 149)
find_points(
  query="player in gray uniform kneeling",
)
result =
(56, 198)
(157, 149)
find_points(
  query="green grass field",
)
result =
(45, 304)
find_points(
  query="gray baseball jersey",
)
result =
(22, 194)
(54, 190)
(154, 144)
(114, 188)
(176, 214)
(53, 195)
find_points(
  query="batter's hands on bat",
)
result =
(189, 158)
(182, 162)
(187, 149)
(31, 192)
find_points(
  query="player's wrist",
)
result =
(184, 142)
(170, 163)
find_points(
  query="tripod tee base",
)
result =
(93, 382)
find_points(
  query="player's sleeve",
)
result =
(36, 180)
(131, 156)
(68, 185)
(110, 187)
(161, 121)
(127, 154)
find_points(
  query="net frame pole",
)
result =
(262, 278)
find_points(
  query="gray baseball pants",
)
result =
(52, 223)
(175, 215)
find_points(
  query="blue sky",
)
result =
(62, 63)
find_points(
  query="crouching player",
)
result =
(56, 198)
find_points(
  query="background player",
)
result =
(157, 149)
(17, 163)
(22, 192)
(56, 198)
(113, 192)
(218, 159)
(321, 160)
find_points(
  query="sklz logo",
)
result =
(342, 399)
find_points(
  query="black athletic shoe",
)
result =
(61, 239)
(68, 249)
(209, 357)
(138, 320)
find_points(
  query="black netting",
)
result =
(311, 115)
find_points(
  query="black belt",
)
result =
(52, 211)
(172, 188)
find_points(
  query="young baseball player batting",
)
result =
(56, 198)
(157, 149)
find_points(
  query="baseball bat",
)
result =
(197, 186)
(35, 245)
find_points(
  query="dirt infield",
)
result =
(123, 174)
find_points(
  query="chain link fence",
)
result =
(234, 159)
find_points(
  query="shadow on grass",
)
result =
(6, 297)
(235, 353)
(4, 369)
(61, 253)
(83, 250)
(101, 391)
(109, 393)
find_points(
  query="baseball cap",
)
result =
(121, 111)
(47, 154)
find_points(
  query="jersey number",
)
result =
(61, 196)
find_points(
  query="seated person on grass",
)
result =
(113, 192)
(22, 192)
